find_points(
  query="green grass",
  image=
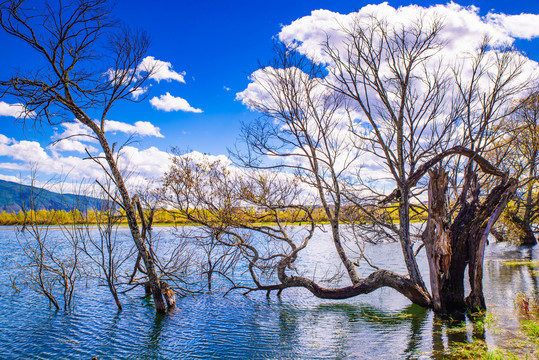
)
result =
(531, 329)
(479, 350)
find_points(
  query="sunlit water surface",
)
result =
(381, 325)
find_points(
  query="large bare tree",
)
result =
(421, 114)
(88, 63)
(387, 94)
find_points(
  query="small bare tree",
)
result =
(100, 242)
(54, 261)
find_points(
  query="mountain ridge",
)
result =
(14, 195)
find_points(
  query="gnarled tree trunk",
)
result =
(452, 247)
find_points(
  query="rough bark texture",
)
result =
(406, 245)
(450, 248)
(169, 295)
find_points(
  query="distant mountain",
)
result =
(14, 195)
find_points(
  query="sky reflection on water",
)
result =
(381, 325)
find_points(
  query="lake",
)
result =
(380, 325)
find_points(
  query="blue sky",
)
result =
(216, 45)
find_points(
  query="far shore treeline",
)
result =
(170, 217)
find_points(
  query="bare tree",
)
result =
(302, 131)
(54, 261)
(88, 65)
(422, 113)
(100, 242)
(518, 152)
(414, 113)
(225, 203)
(381, 69)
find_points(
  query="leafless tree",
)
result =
(89, 63)
(54, 261)
(518, 151)
(422, 113)
(385, 93)
(100, 242)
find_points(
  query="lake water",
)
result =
(381, 325)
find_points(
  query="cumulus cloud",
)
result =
(523, 26)
(160, 70)
(74, 136)
(139, 92)
(13, 110)
(150, 163)
(462, 33)
(168, 103)
(143, 128)
(71, 145)
(464, 29)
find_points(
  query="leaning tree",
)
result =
(86, 64)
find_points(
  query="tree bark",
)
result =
(130, 213)
(450, 248)
(526, 235)
(404, 237)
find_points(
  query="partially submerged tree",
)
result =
(404, 107)
(54, 264)
(88, 65)
(419, 118)
(518, 150)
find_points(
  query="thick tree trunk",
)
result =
(447, 254)
(169, 295)
(487, 214)
(450, 248)
(526, 235)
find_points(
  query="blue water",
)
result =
(381, 325)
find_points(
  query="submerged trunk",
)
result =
(130, 212)
(452, 247)
(525, 232)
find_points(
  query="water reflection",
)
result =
(381, 325)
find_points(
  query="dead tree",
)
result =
(53, 265)
(212, 196)
(89, 64)
(422, 113)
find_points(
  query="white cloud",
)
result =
(149, 163)
(23, 150)
(523, 26)
(75, 135)
(160, 70)
(71, 145)
(464, 29)
(462, 33)
(168, 103)
(10, 178)
(13, 110)
(74, 128)
(226, 88)
(143, 128)
(139, 92)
